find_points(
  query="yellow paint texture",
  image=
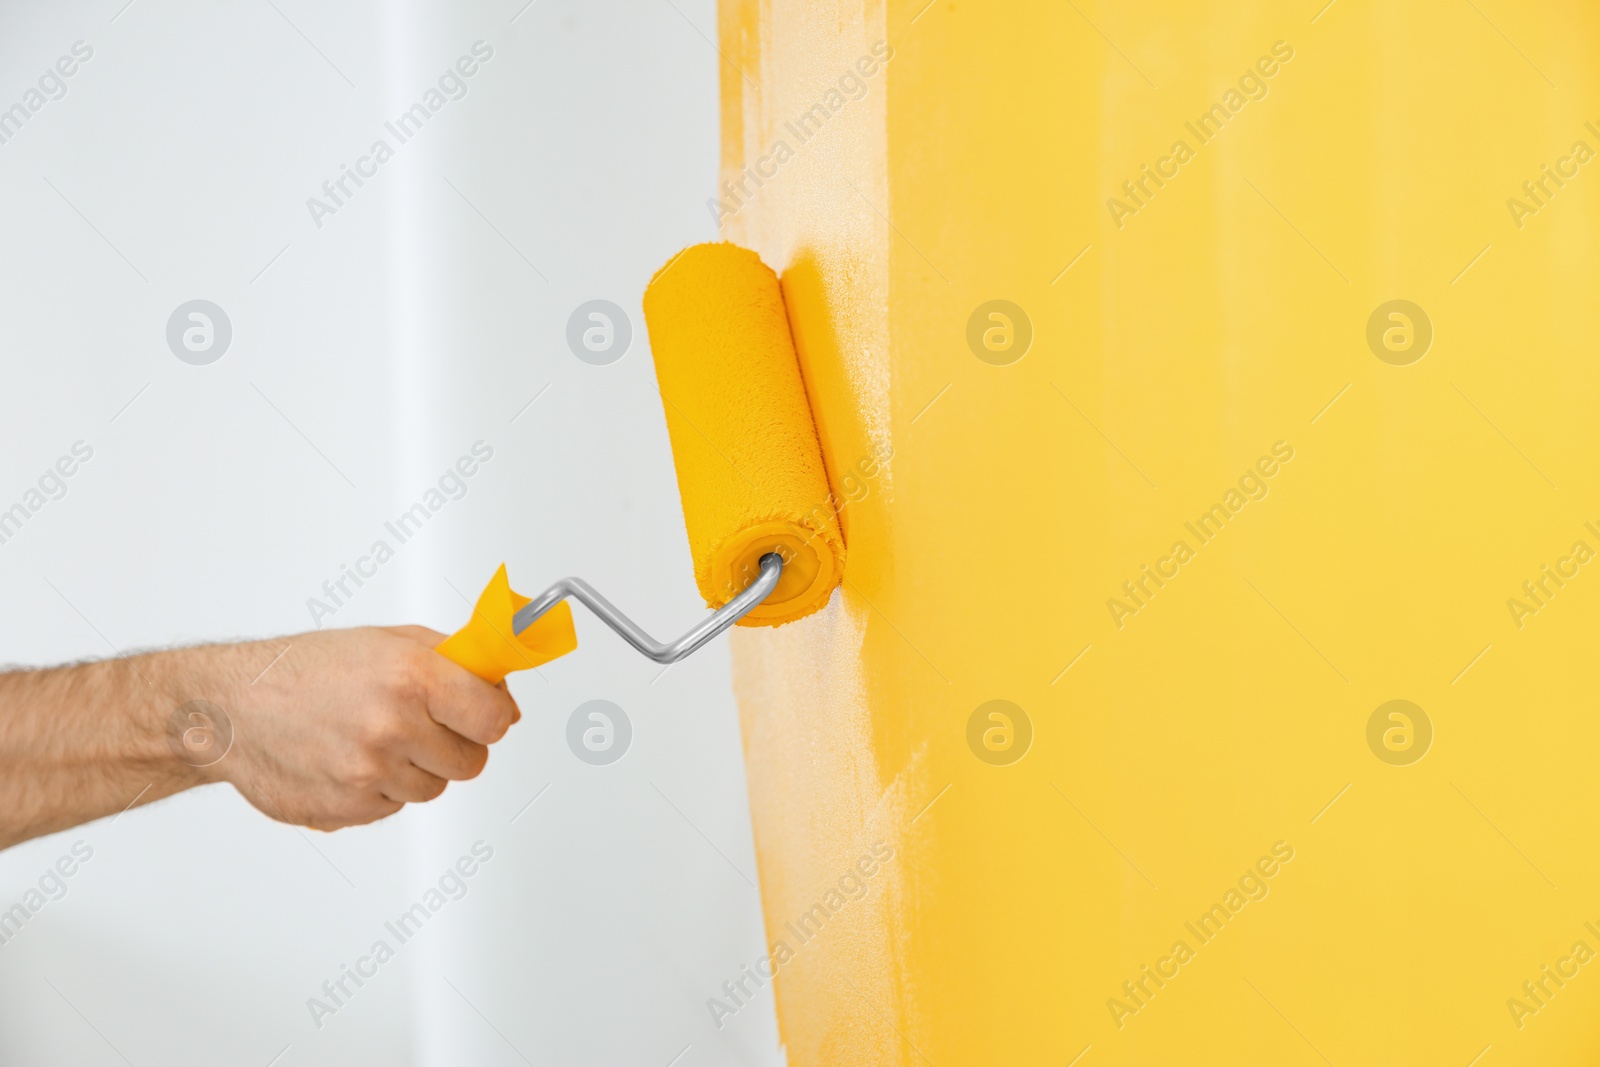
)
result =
(1359, 524)
(743, 440)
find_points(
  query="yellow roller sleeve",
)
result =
(486, 646)
(749, 464)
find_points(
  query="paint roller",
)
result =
(762, 523)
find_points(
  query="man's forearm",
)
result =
(84, 741)
(324, 729)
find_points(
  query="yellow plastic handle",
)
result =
(487, 647)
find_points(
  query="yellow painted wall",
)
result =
(996, 509)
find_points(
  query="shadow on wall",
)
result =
(854, 463)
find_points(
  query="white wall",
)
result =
(371, 353)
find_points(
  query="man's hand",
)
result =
(350, 725)
(329, 729)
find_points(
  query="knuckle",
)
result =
(408, 674)
(492, 721)
(383, 730)
(362, 771)
(473, 760)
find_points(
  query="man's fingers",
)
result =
(517, 708)
(465, 703)
(412, 785)
(443, 752)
